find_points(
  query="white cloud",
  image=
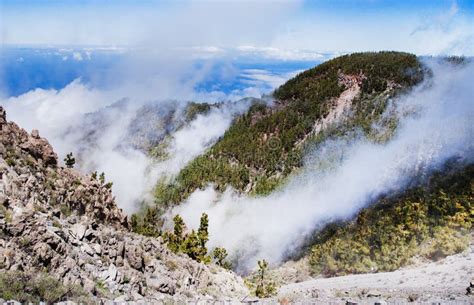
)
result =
(280, 54)
(270, 29)
(263, 78)
(444, 32)
(153, 25)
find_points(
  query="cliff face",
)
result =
(55, 221)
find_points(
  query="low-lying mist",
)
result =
(111, 134)
(439, 128)
(106, 130)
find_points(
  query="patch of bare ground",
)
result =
(441, 282)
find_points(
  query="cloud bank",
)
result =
(285, 30)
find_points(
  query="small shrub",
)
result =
(10, 161)
(65, 210)
(33, 288)
(70, 160)
(220, 254)
(264, 287)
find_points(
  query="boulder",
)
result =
(78, 231)
(163, 285)
(373, 294)
(134, 256)
(112, 272)
(35, 134)
(88, 249)
(470, 288)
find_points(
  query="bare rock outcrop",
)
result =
(54, 219)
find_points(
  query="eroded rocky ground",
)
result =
(55, 221)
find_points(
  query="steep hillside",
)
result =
(62, 237)
(267, 143)
(262, 147)
(432, 220)
(350, 97)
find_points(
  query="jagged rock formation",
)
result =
(55, 220)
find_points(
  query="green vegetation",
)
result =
(101, 289)
(6, 214)
(431, 220)
(147, 222)
(194, 109)
(220, 254)
(262, 147)
(70, 160)
(378, 68)
(192, 244)
(10, 161)
(28, 288)
(102, 178)
(259, 284)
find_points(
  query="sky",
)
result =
(282, 29)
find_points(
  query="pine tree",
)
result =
(176, 239)
(203, 232)
(220, 254)
(264, 288)
(134, 223)
(102, 178)
(191, 246)
(70, 160)
(178, 227)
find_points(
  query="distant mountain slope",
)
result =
(350, 97)
(431, 220)
(266, 144)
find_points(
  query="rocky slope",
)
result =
(56, 221)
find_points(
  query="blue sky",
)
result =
(423, 27)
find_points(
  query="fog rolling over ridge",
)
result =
(95, 121)
(99, 127)
(96, 125)
(439, 128)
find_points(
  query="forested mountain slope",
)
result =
(338, 98)
(349, 97)
(267, 143)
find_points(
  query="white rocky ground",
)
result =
(442, 282)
